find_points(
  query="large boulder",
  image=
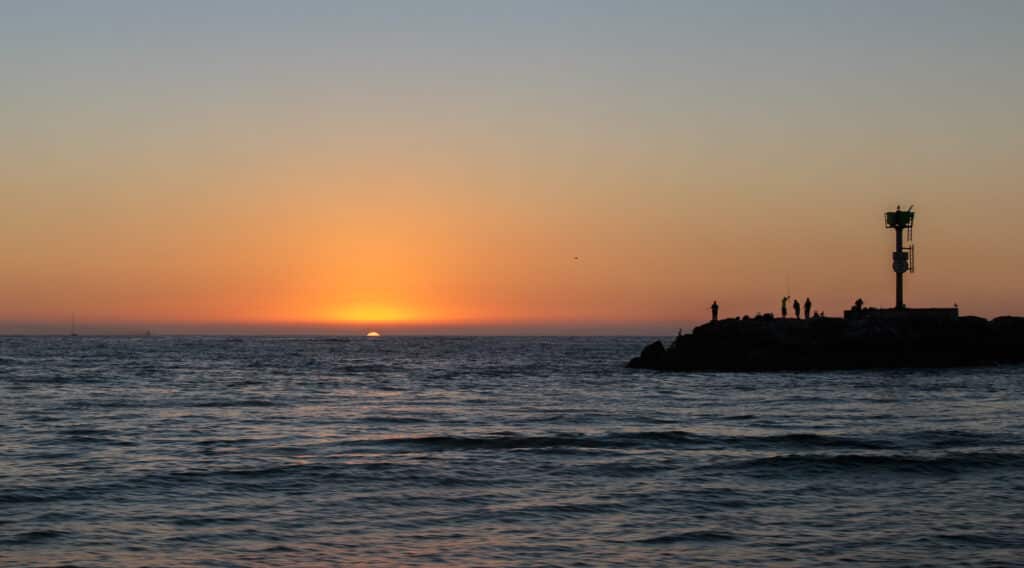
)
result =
(652, 357)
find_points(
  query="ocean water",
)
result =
(204, 451)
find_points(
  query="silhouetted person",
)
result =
(796, 309)
(807, 308)
(858, 305)
(714, 311)
(785, 300)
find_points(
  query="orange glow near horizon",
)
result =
(372, 314)
(489, 261)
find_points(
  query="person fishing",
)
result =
(714, 311)
(785, 300)
(796, 309)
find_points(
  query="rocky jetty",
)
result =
(863, 339)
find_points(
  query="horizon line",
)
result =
(310, 329)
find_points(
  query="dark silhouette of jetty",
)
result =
(862, 338)
(873, 338)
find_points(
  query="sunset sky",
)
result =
(515, 167)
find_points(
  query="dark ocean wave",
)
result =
(960, 438)
(32, 537)
(630, 440)
(229, 403)
(32, 495)
(562, 510)
(511, 441)
(804, 440)
(690, 536)
(843, 463)
(975, 538)
(394, 420)
(300, 477)
(360, 369)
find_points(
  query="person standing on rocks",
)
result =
(796, 309)
(714, 310)
(807, 308)
(785, 300)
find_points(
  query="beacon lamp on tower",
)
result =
(903, 256)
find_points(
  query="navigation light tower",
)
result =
(903, 257)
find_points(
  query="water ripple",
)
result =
(492, 451)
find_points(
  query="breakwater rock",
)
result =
(863, 339)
